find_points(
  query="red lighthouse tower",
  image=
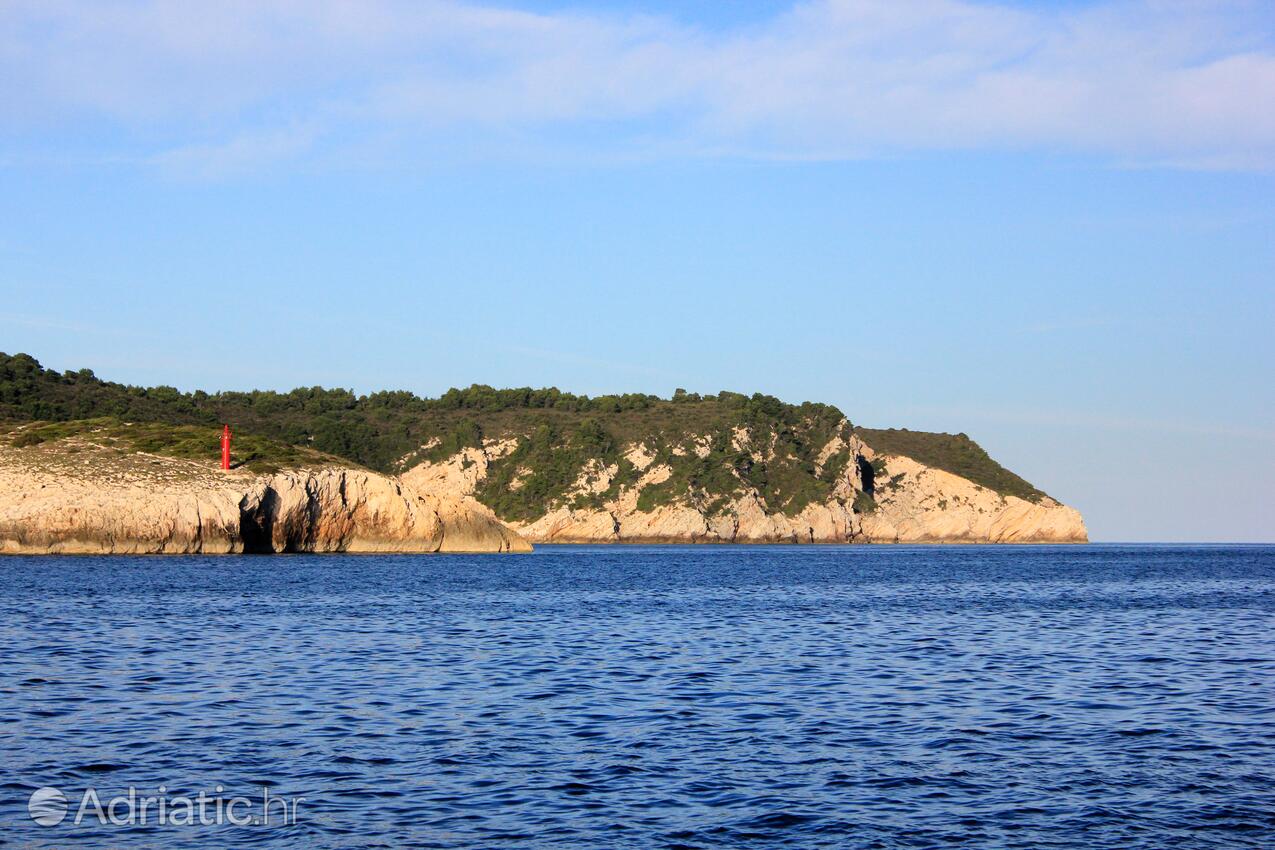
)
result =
(225, 447)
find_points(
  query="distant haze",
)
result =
(1048, 225)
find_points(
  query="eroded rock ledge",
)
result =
(77, 496)
(90, 502)
(909, 503)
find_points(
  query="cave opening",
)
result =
(867, 475)
(254, 527)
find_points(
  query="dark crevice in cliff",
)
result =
(867, 475)
(256, 524)
(302, 540)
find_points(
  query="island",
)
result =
(93, 466)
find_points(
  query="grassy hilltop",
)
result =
(252, 452)
(559, 435)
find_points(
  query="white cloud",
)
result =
(218, 87)
(242, 153)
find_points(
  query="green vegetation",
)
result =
(954, 453)
(193, 442)
(544, 468)
(715, 446)
(384, 430)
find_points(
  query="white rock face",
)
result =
(915, 504)
(344, 510)
(934, 506)
(96, 502)
(75, 498)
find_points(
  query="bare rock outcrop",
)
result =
(345, 510)
(914, 503)
(75, 496)
(919, 504)
(83, 499)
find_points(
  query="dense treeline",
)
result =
(382, 428)
(560, 433)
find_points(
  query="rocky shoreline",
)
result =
(914, 504)
(77, 497)
(85, 499)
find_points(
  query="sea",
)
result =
(1096, 696)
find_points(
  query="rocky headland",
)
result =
(91, 466)
(80, 496)
(875, 498)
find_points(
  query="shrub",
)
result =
(954, 453)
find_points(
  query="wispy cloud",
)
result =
(1069, 324)
(44, 323)
(247, 151)
(221, 87)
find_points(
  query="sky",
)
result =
(1048, 225)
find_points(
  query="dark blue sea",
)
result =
(683, 697)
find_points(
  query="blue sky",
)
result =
(1047, 225)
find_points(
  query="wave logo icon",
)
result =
(47, 806)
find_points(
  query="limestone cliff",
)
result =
(873, 497)
(920, 504)
(79, 497)
(555, 465)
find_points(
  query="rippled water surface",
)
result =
(1077, 697)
